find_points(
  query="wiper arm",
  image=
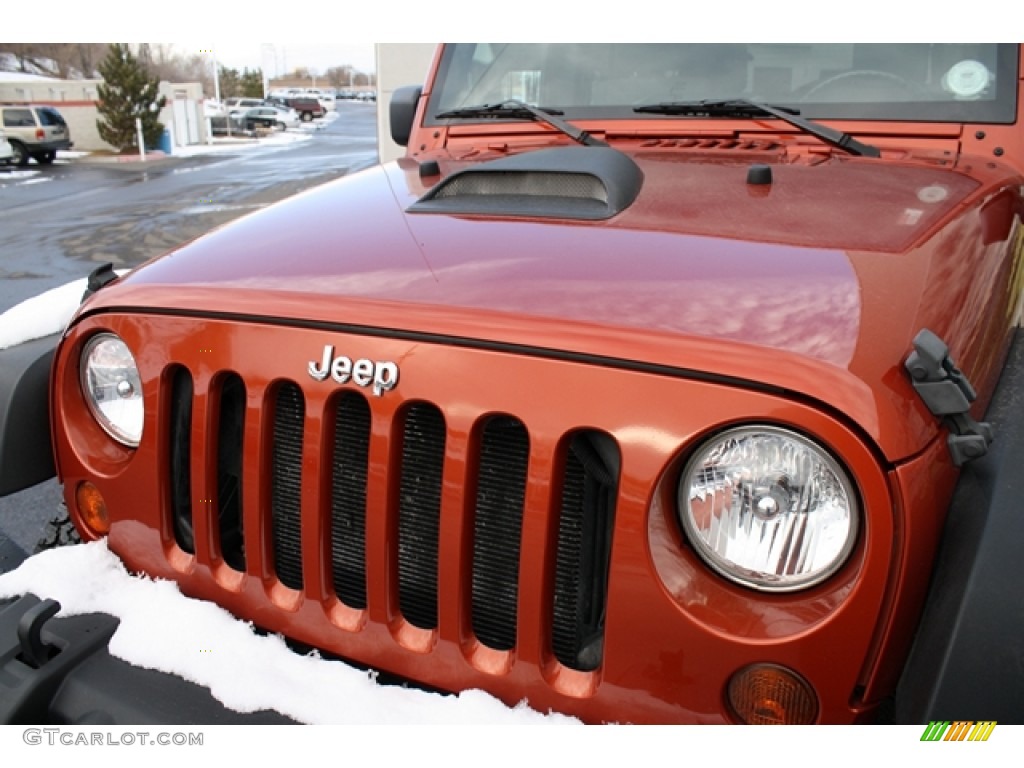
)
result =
(745, 108)
(513, 108)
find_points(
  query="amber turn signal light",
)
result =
(92, 509)
(767, 694)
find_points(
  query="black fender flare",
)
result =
(967, 660)
(26, 453)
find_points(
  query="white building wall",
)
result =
(398, 64)
(76, 101)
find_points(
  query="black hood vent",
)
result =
(587, 183)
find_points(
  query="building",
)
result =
(77, 101)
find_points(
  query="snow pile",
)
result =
(41, 315)
(164, 630)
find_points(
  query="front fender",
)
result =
(26, 452)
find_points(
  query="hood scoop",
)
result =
(586, 183)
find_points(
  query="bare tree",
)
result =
(63, 60)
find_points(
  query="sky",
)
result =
(278, 59)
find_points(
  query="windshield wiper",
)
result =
(513, 108)
(742, 108)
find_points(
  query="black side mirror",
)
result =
(403, 111)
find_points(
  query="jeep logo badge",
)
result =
(383, 376)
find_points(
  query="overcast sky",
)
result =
(278, 59)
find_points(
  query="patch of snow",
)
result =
(164, 630)
(18, 176)
(41, 315)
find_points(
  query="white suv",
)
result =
(34, 131)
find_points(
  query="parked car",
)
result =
(6, 150)
(307, 107)
(35, 131)
(266, 117)
(242, 102)
(326, 98)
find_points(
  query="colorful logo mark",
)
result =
(959, 730)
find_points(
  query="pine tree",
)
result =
(127, 92)
(251, 83)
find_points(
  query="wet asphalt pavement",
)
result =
(57, 223)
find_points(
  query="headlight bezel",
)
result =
(127, 429)
(737, 573)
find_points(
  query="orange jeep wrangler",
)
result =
(655, 383)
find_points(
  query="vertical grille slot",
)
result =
(497, 531)
(419, 513)
(585, 525)
(286, 483)
(349, 459)
(230, 433)
(179, 446)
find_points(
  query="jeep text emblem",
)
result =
(382, 375)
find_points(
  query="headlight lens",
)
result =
(768, 508)
(112, 388)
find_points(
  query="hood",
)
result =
(779, 283)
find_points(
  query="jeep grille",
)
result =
(496, 487)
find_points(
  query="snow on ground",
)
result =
(164, 630)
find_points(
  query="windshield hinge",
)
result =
(948, 394)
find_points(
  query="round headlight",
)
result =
(112, 388)
(768, 508)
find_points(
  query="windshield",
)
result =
(960, 82)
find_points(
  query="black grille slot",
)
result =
(349, 460)
(419, 513)
(230, 434)
(286, 483)
(585, 524)
(497, 530)
(180, 437)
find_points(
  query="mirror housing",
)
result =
(402, 112)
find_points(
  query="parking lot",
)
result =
(59, 221)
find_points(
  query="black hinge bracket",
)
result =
(99, 278)
(948, 394)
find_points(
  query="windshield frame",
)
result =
(1001, 108)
